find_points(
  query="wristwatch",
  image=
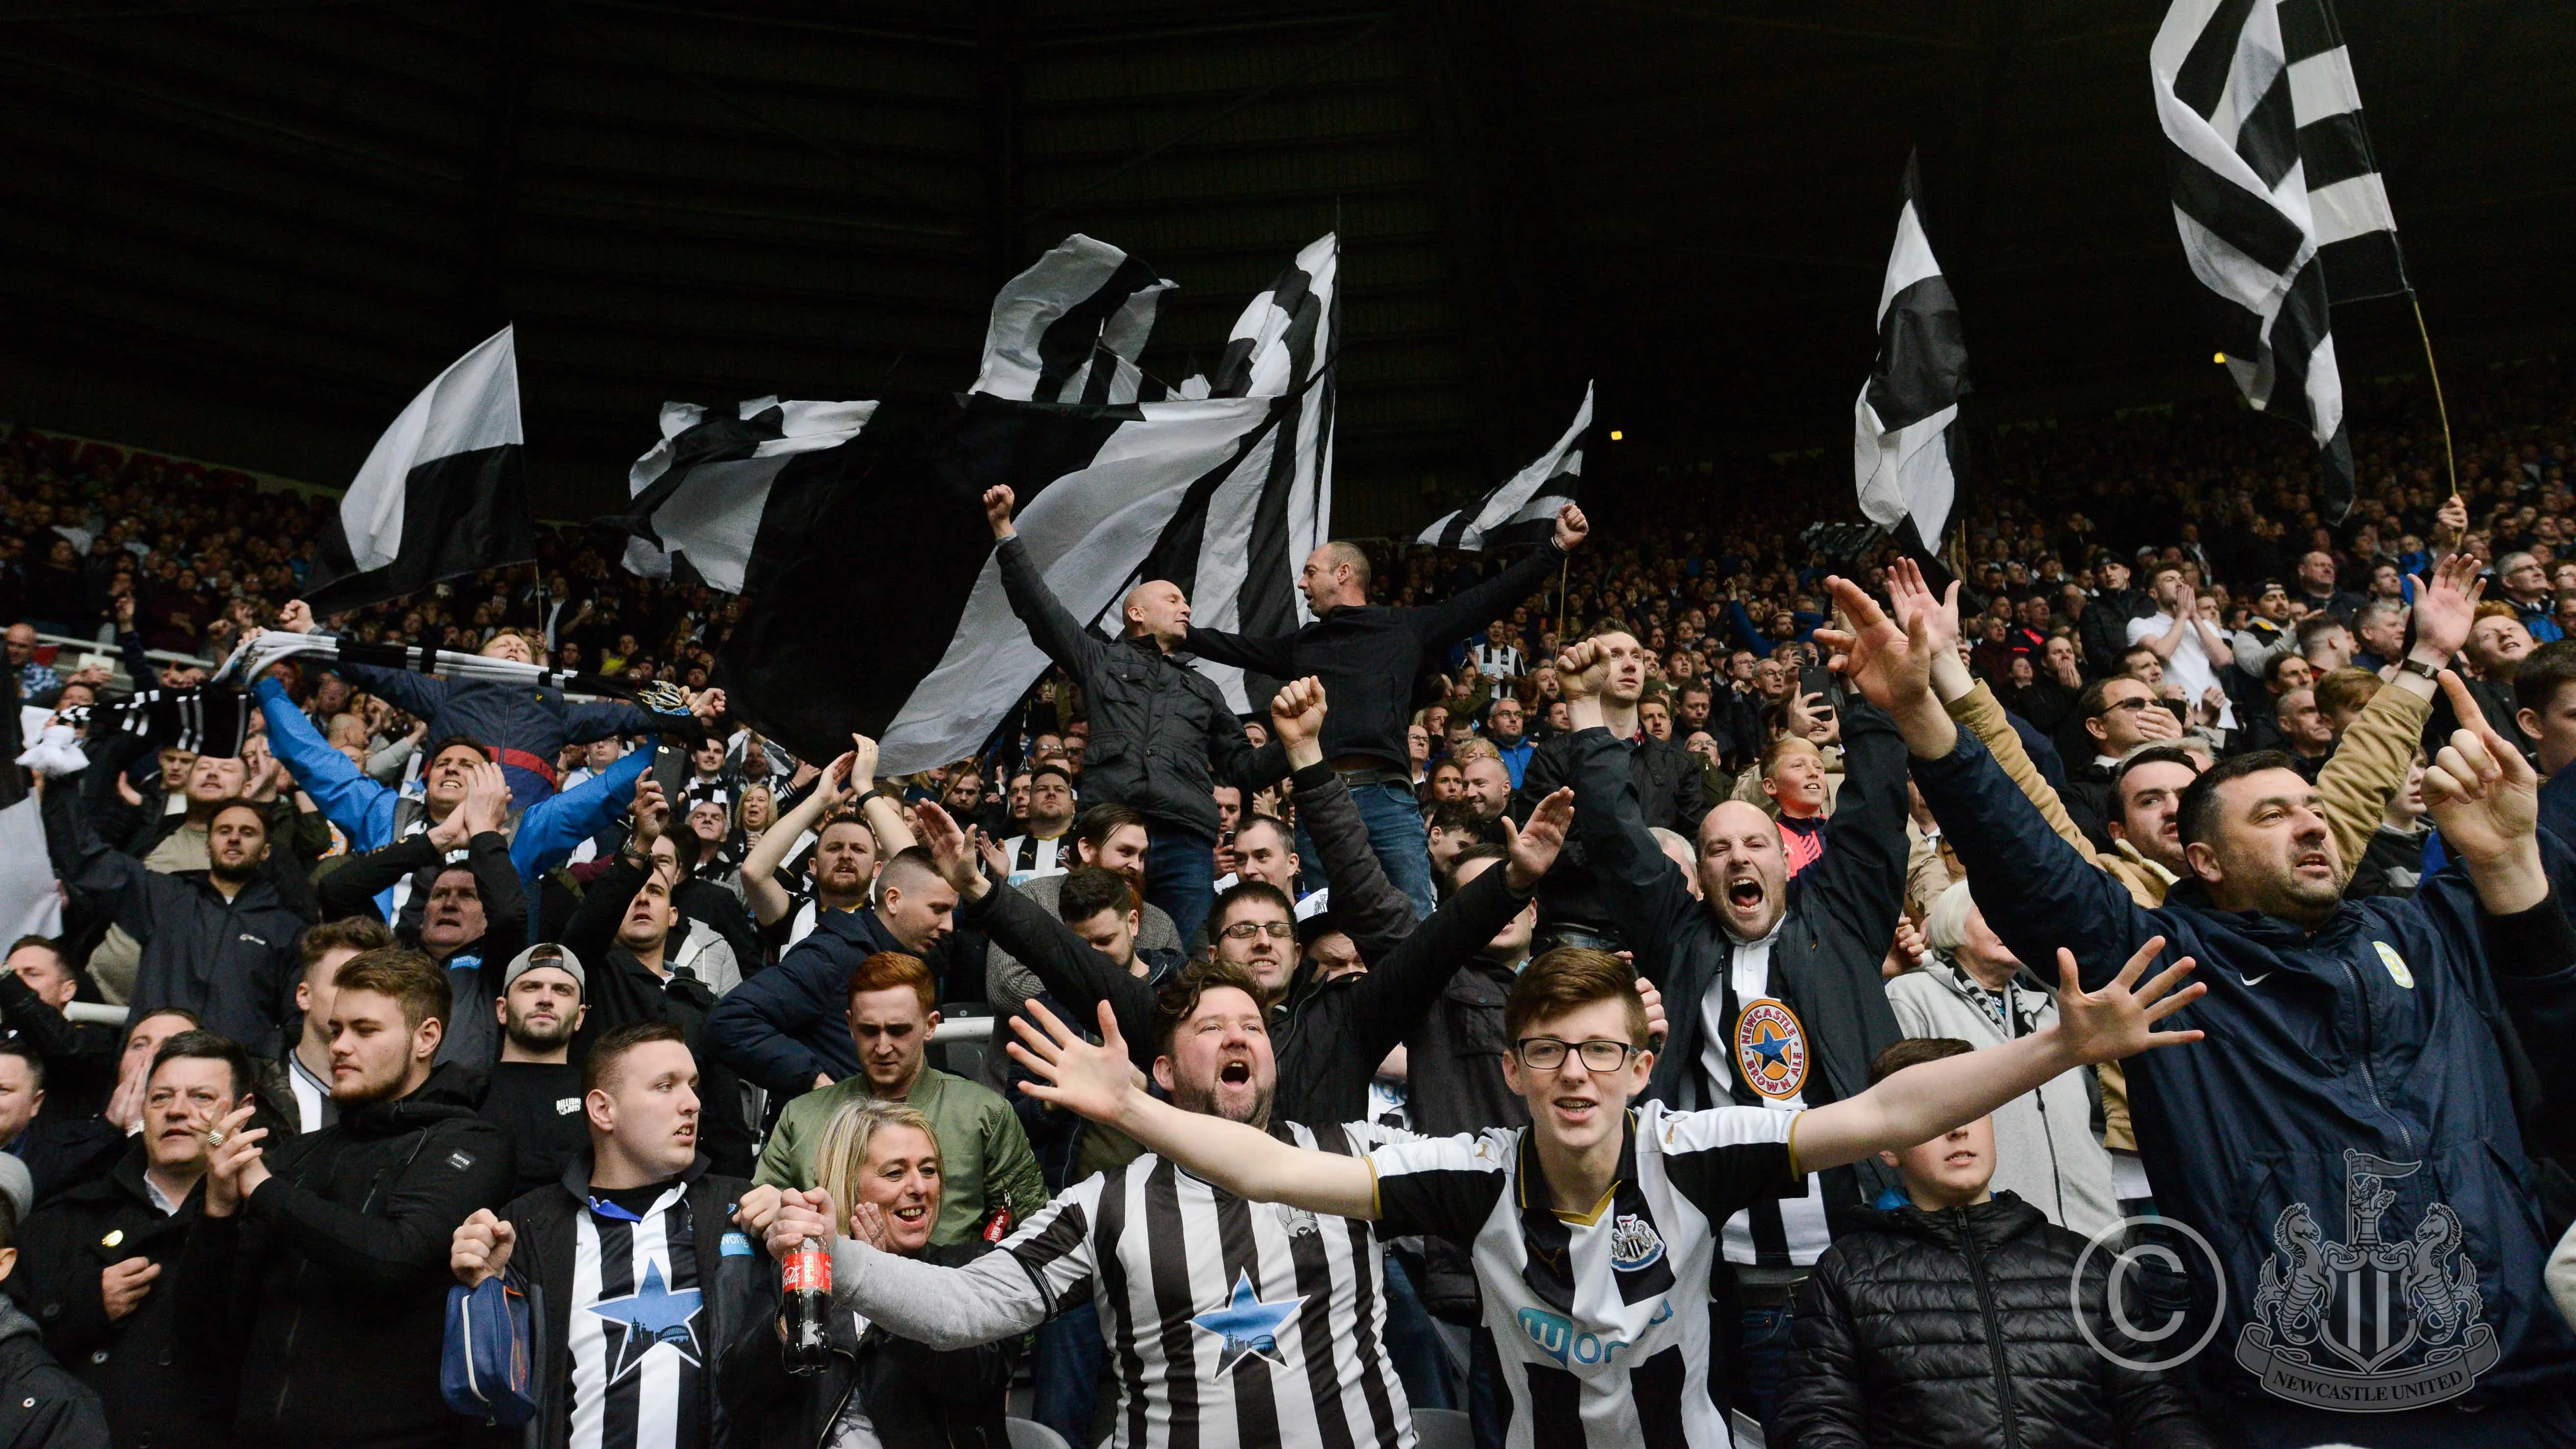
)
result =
(2420, 669)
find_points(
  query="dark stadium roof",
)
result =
(250, 230)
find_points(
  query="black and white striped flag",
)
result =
(939, 658)
(1903, 455)
(2279, 203)
(718, 480)
(442, 494)
(1522, 508)
(1236, 558)
(1068, 329)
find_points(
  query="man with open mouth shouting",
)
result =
(1774, 989)
(1594, 1229)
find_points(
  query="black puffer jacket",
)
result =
(1953, 1329)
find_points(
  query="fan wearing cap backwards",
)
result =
(535, 1091)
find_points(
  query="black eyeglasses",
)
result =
(2132, 705)
(1246, 930)
(1546, 1053)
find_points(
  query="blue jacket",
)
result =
(2350, 1085)
(375, 816)
(784, 1026)
(511, 716)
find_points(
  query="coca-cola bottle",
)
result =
(807, 1278)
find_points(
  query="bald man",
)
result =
(1368, 656)
(1162, 738)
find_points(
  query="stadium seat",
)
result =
(1442, 1429)
(1030, 1434)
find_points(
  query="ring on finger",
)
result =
(214, 1137)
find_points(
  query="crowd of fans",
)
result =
(444, 998)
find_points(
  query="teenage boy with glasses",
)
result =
(1594, 1229)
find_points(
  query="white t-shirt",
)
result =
(2189, 666)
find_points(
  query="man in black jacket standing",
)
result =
(1571, 908)
(1368, 657)
(1157, 725)
(316, 1285)
(95, 1255)
(1773, 992)
(1950, 1320)
(637, 1282)
(219, 943)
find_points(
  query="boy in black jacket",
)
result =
(1947, 1322)
(316, 1283)
(637, 1280)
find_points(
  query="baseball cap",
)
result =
(546, 953)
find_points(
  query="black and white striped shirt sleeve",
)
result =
(1445, 1187)
(1054, 1247)
(1725, 1159)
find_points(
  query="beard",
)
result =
(1205, 1099)
(530, 1034)
(359, 1094)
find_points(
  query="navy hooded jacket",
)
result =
(2350, 1085)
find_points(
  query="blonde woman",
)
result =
(878, 1182)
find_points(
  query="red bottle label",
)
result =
(808, 1270)
(999, 1228)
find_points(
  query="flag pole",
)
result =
(1564, 565)
(2434, 370)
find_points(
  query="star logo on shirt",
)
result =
(651, 1314)
(1247, 1325)
(1771, 1049)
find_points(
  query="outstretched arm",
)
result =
(2370, 765)
(355, 803)
(1924, 1101)
(1064, 962)
(759, 874)
(2060, 899)
(1049, 623)
(1376, 914)
(1096, 1082)
(1445, 623)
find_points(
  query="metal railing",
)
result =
(965, 1028)
(64, 659)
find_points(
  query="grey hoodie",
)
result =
(2045, 1151)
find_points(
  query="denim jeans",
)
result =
(1758, 1367)
(1413, 1345)
(1180, 877)
(1064, 1380)
(1394, 821)
(1489, 1399)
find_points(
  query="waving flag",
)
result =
(1523, 508)
(1903, 455)
(442, 494)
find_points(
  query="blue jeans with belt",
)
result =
(1394, 821)
(1180, 877)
